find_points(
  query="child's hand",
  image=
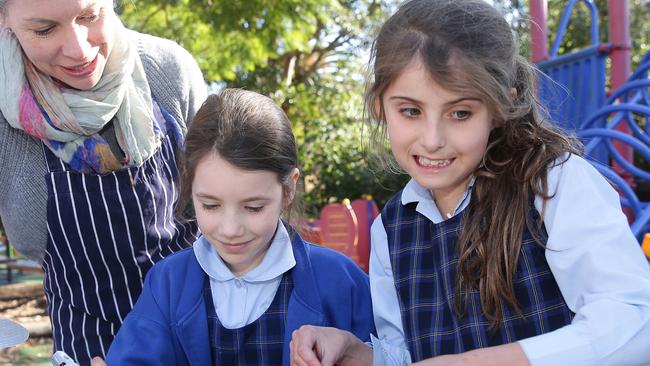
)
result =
(323, 346)
(97, 361)
(315, 346)
(446, 360)
(510, 354)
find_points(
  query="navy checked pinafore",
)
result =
(105, 233)
(424, 260)
(259, 343)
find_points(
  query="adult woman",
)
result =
(100, 111)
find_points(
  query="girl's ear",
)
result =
(513, 96)
(291, 189)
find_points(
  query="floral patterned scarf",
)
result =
(68, 121)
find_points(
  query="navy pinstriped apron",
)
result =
(105, 233)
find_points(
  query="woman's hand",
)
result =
(323, 346)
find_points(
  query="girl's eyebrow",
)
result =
(408, 99)
(205, 195)
(257, 198)
(451, 102)
(463, 99)
(249, 199)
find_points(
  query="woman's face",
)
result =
(69, 40)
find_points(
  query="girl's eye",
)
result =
(209, 207)
(410, 112)
(254, 209)
(461, 115)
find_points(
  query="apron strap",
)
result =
(54, 164)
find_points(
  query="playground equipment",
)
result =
(575, 86)
(615, 128)
(614, 125)
(339, 229)
(345, 227)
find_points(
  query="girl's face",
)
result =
(438, 136)
(238, 210)
(68, 40)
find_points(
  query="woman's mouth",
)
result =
(82, 70)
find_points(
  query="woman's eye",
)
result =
(92, 18)
(43, 32)
(410, 112)
(460, 115)
(254, 209)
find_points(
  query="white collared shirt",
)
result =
(239, 301)
(596, 261)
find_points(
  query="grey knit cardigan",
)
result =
(177, 85)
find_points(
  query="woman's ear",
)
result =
(377, 108)
(513, 93)
(291, 186)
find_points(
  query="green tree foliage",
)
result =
(308, 55)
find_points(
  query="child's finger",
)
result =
(303, 342)
(98, 361)
(295, 359)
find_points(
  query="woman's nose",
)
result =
(77, 46)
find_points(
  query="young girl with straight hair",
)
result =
(249, 280)
(506, 247)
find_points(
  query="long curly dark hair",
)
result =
(468, 47)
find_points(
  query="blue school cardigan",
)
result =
(169, 325)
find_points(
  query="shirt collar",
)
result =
(415, 193)
(277, 260)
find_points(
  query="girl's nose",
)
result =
(433, 136)
(230, 225)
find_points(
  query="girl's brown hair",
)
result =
(249, 131)
(468, 47)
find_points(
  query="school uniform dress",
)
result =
(194, 311)
(585, 298)
(258, 343)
